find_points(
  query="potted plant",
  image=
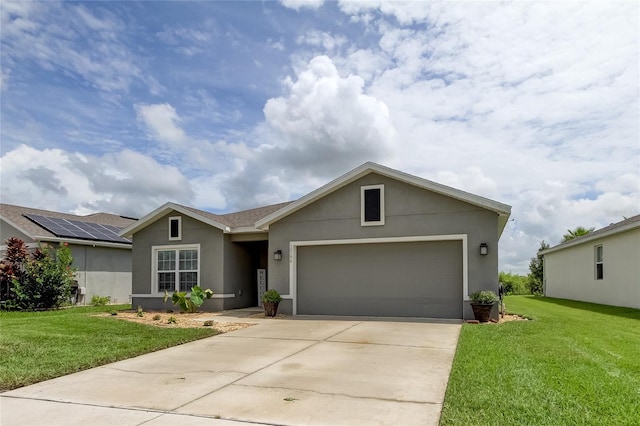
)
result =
(270, 301)
(482, 302)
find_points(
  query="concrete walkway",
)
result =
(302, 371)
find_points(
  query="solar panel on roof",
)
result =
(78, 229)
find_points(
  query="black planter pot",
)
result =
(270, 309)
(482, 311)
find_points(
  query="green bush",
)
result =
(485, 297)
(100, 300)
(47, 280)
(271, 296)
(513, 283)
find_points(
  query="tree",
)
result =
(12, 266)
(580, 231)
(536, 267)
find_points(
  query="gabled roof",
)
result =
(613, 229)
(503, 210)
(15, 216)
(242, 221)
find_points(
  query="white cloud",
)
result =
(163, 122)
(126, 182)
(29, 34)
(302, 4)
(321, 128)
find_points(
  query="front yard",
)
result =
(575, 363)
(37, 346)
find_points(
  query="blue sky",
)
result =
(122, 106)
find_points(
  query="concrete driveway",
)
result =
(299, 371)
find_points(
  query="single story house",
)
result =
(600, 267)
(101, 256)
(373, 242)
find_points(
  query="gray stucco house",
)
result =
(600, 267)
(102, 258)
(373, 242)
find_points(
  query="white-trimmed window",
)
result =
(175, 228)
(176, 268)
(599, 262)
(372, 205)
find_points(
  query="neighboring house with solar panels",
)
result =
(600, 267)
(373, 242)
(101, 256)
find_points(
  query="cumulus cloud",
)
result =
(322, 127)
(126, 182)
(163, 122)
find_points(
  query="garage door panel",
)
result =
(422, 279)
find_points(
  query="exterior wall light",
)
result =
(277, 255)
(484, 249)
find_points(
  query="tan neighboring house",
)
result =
(101, 256)
(601, 267)
(373, 242)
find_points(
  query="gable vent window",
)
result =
(175, 228)
(372, 205)
(599, 263)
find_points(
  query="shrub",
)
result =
(100, 300)
(172, 320)
(156, 317)
(208, 323)
(46, 282)
(485, 297)
(513, 283)
(271, 296)
(140, 313)
(189, 303)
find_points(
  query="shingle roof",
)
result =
(624, 225)
(248, 218)
(226, 222)
(15, 216)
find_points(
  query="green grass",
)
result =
(574, 364)
(36, 346)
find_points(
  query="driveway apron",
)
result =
(302, 371)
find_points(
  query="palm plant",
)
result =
(580, 231)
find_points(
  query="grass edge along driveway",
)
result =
(37, 346)
(574, 363)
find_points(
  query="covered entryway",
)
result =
(399, 279)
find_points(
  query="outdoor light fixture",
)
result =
(484, 249)
(277, 255)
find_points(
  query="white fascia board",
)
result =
(247, 230)
(83, 242)
(588, 238)
(503, 210)
(164, 209)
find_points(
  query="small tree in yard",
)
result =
(12, 266)
(46, 279)
(536, 267)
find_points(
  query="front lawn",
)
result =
(36, 346)
(575, 363)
